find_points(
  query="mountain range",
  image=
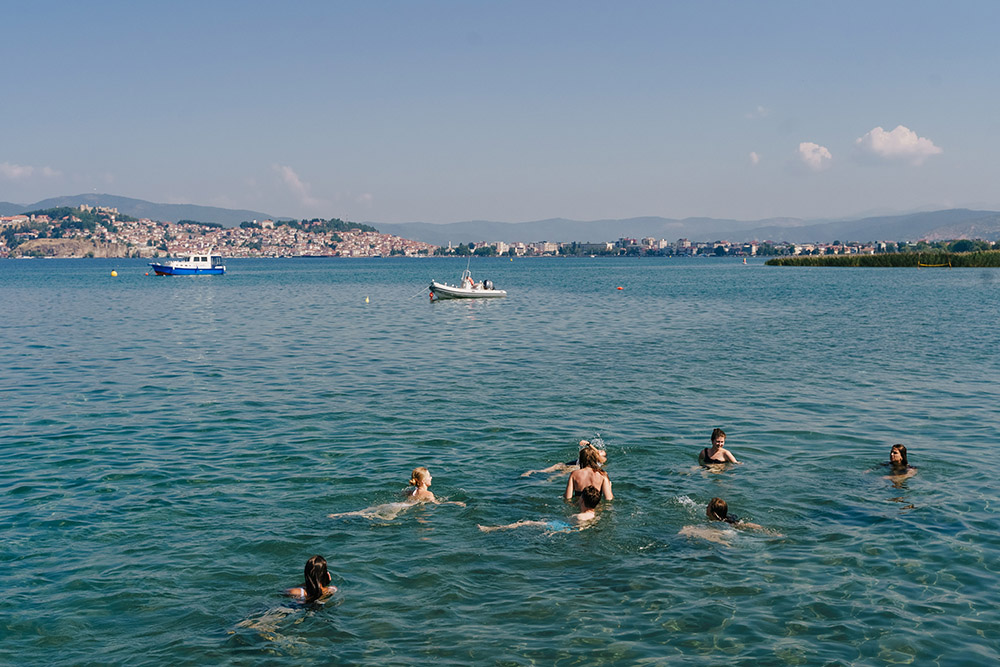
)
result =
(929, 225)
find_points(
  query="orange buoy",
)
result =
(621, 288)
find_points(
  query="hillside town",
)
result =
(89, 231)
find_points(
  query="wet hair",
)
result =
(317, 578)
(591, 497)
(902, 454)
(419, 474)
(590, 458)
(717, 509)
(718, 432)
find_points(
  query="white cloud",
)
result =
(814, 156)
(754, 158)
(296, 186)
(18, 172)
(366, 199)
(759, 112)
(900, 144)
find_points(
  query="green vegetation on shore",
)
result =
(988, 258)
(316, 225)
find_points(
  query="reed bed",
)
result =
(929, 259)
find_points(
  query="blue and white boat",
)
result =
(194, 265)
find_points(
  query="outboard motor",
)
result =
(487, 284)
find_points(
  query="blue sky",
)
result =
(509, 111)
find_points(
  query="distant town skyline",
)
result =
(519, 111)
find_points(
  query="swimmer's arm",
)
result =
(517, 524)
(731, 458)
(606, 488)
(558, 467)
(568, 495)
(759, 528)
(449, 502)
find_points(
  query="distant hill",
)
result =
(6, 208)
(911, 227)
(933, 225)
(562, 230)
(138, 208)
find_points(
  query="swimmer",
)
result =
(565, 468)
(317, 582)
(587, 503)
(901, 468)
(589, 474)
(718, 510)
(420, 479)
(717, 455)
(898, 461)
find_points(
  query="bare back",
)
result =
(584, 477)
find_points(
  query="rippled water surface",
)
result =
(170, 449)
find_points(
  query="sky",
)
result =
(510, 111)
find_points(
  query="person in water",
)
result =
(590, 474)
(587, 503)
(420, 479)
(718, 510)
(317, 582)
(901, 468)
(717, 455)
(568, 467)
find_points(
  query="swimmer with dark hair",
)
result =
(317, 582)
(717, 455)
(587, 503)
(718, 510)
(901, 468)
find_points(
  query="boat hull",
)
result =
(166, 270)
(442, 291)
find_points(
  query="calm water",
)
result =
(170, 448)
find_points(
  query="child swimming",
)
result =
(317, 582)
(717, 455)
(420, 479)
(587, 503)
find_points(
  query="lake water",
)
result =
(170, 449)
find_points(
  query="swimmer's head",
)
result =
(720, 436)
(316, 577)
(717, 509)
(590, 457)
(897, 455)
(590, 497)
(420, 476)
(597, 446)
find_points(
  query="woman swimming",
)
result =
(589, 474)
(420, 479)
(317, 582)
(568, 467)
(901, 468)
(717, 455)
